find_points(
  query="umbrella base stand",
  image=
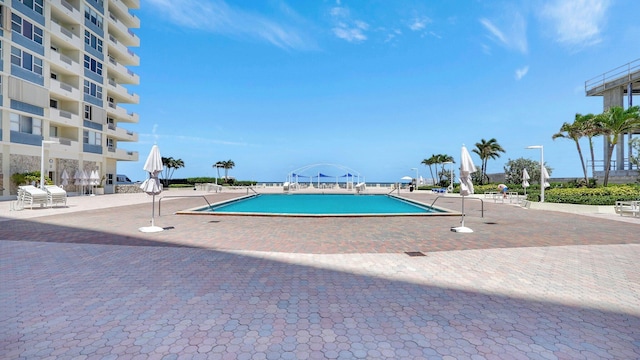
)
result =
(461, 229)
(148, 229)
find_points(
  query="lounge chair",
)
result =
(56, 195)
(627, 208)
(30, 195)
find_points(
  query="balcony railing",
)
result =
(614, 78)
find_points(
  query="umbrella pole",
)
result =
(462, 222)
(153, 208)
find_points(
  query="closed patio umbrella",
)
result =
(94, 180)
(466, 185)
(152, 186)
(65, 178)
(86, 181)
(525, 180)
(545, 177)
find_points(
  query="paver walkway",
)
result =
(525, 284)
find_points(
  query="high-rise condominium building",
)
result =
(66, 74)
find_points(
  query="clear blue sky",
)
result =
(376, 86)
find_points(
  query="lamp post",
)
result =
(42, 160)
(541, 168)
(416, 169)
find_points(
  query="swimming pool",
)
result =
(320, 205)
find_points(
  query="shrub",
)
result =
(28, 177)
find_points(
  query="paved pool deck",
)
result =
(82, 282)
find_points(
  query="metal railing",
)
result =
(600, 165)
(451, 197)
(617, 73)
(179, 196)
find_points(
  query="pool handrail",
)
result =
(179, 196)
(481, 206)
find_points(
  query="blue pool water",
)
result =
(321, 204)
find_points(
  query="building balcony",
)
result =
(121, 73)
(63, 10)
(121, 11)
(118, 50)
(121, 134)
(62, 35)
(64, 117)
(121, 94)
(121, 114)
(132, 4)
(122, 32)
(121, 154)
(65, 62)
(64, 90)
(64, 148)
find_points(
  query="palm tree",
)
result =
(170, 165)
(442, 159)
(574, 132)
(218, 165)
(589, 128)
(229, 164)
(613, 123)
(487, 150)
(428, 162)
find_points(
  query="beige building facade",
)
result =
(67, 70)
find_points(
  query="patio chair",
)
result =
(56, 195)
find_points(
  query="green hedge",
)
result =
(593, 196)
(567, 194)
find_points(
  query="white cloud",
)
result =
(216, 16)
(391, 35)
(516, 36)
(520, 73)
(345, 27)
(577, 23)
(419, 23)
(494, 30)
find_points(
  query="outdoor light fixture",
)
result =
(42, 160)
(541, 168)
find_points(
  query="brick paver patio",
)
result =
(526, 284)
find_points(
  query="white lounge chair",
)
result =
(627, 208)
(56, 195)
(30, 195)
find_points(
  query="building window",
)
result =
(93, 41)
(93, 16)
(92, 137)
(53, 131)
(92, 65)
(53, 103)
(25, 124)
(26, 61)
(88, 112)
(26, 29)
(36, 5)
(93, 89)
